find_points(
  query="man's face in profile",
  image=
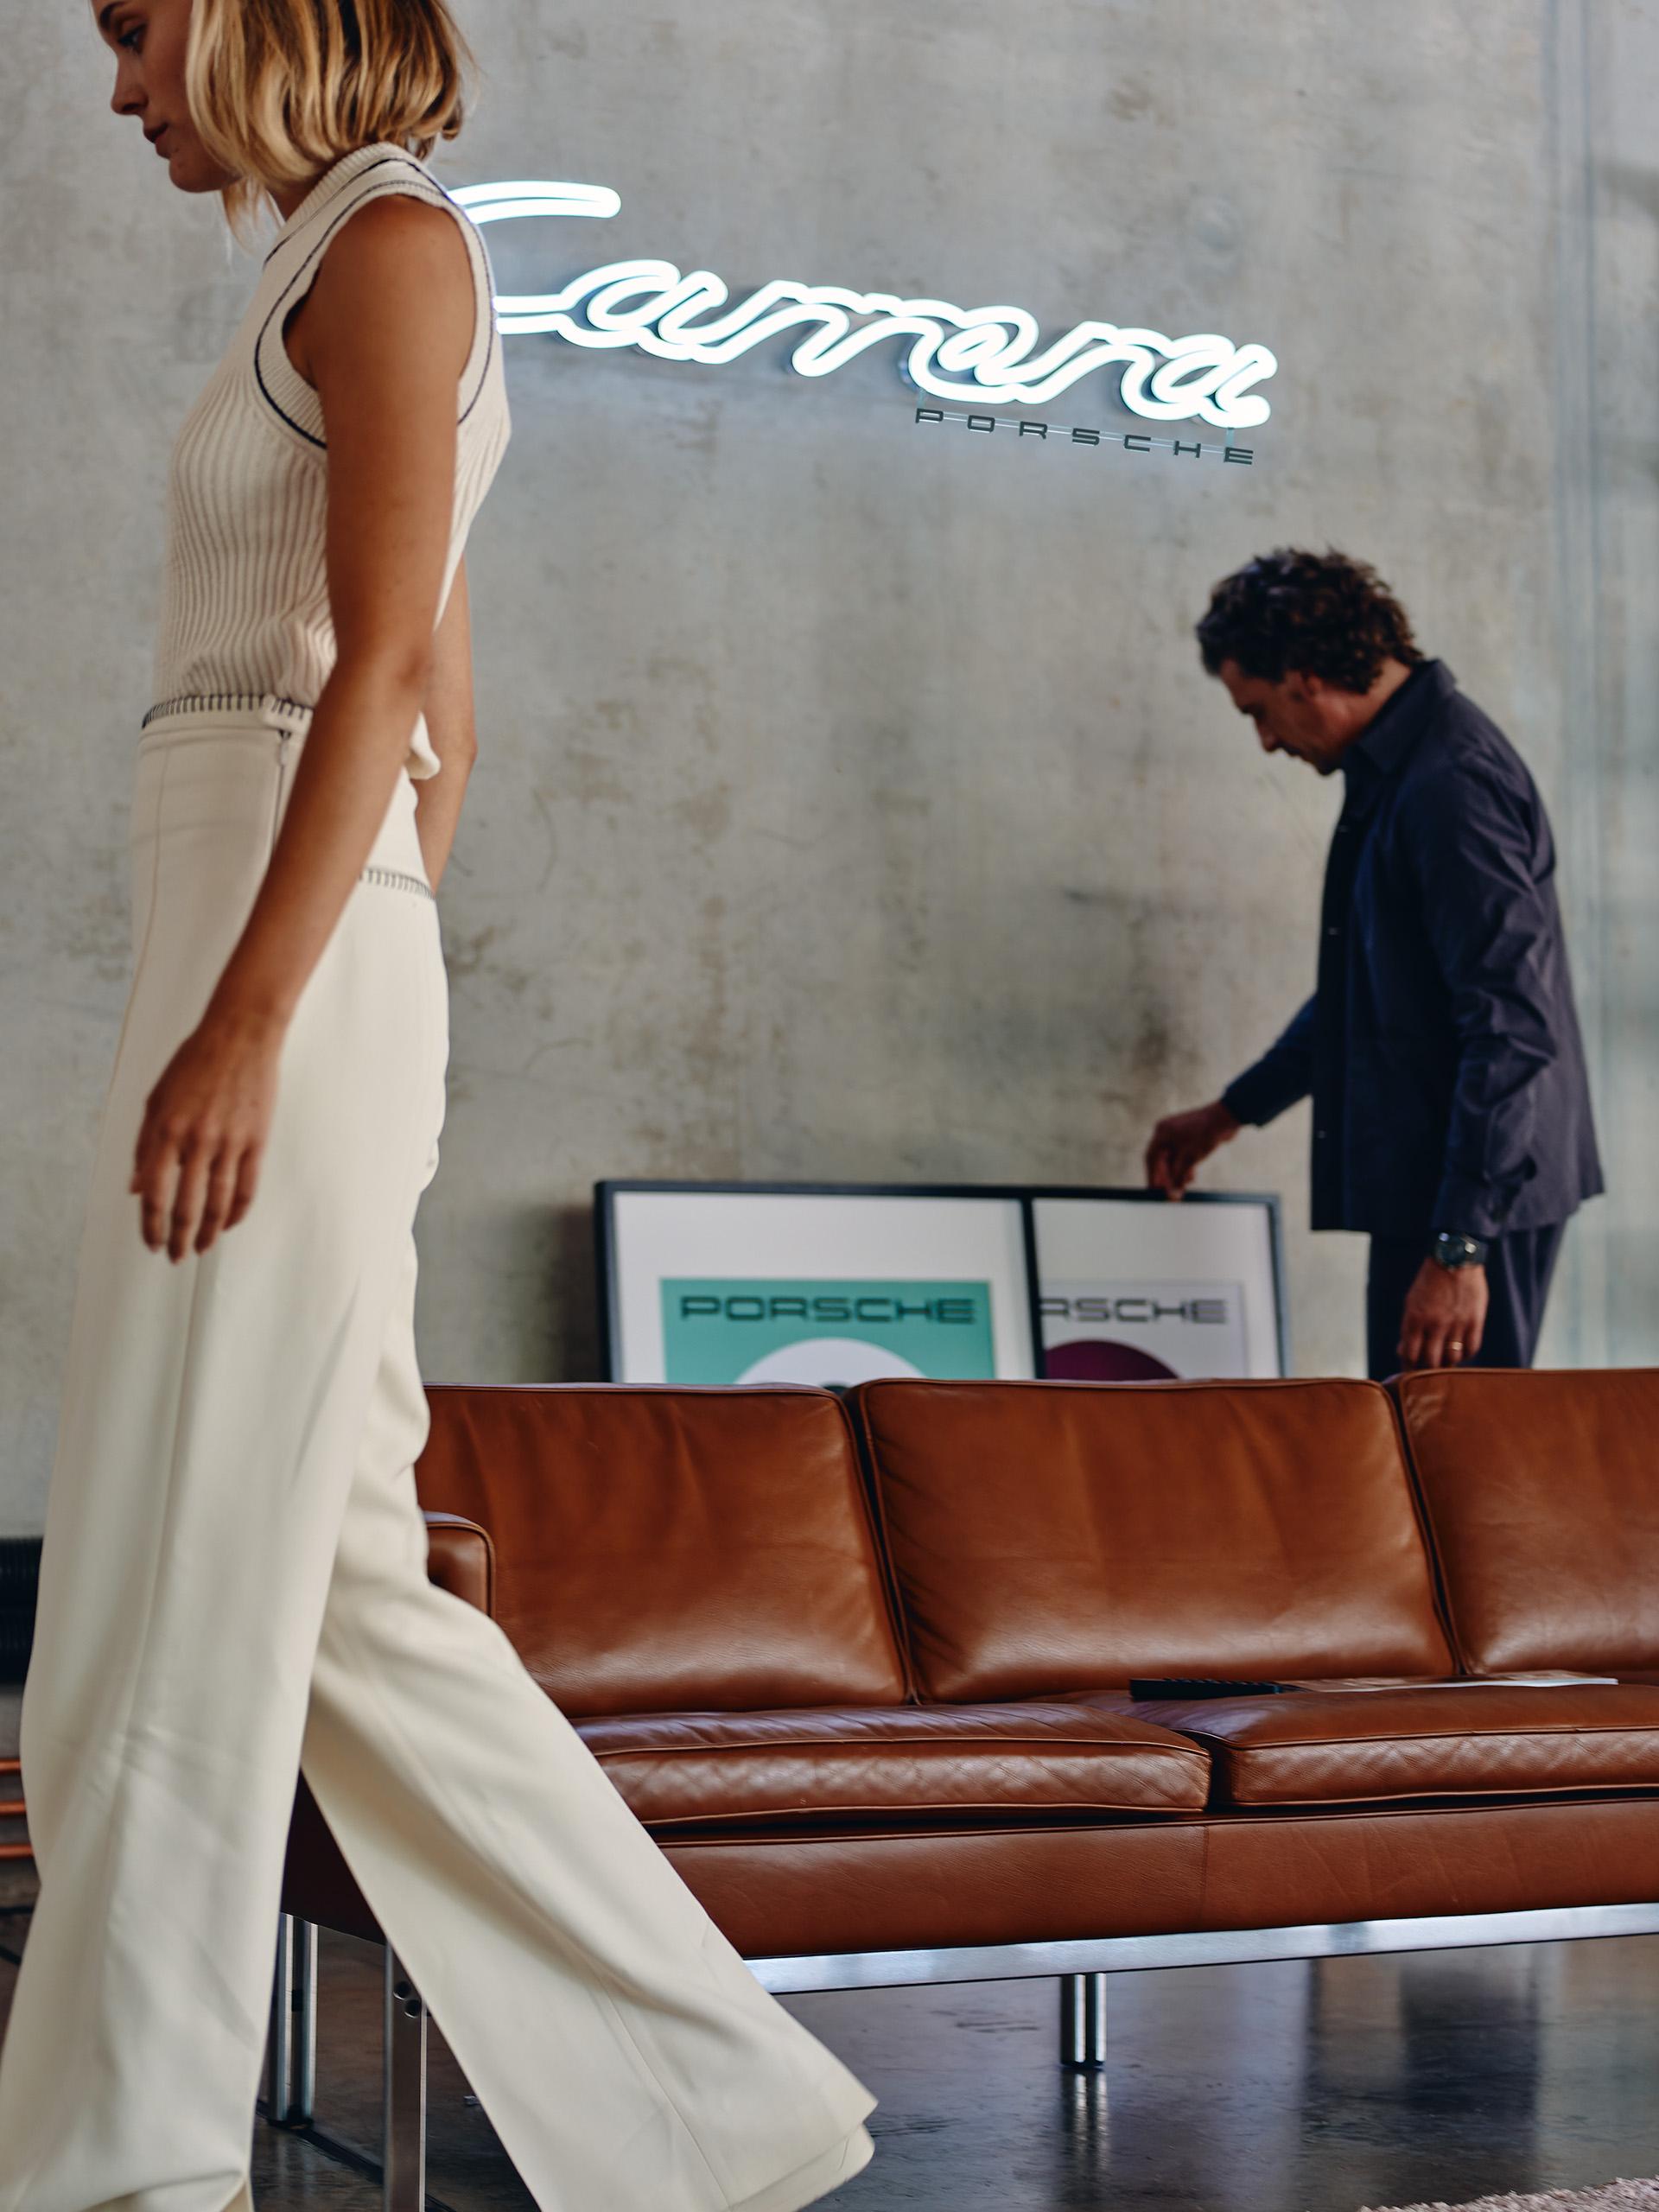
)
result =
(1300, 714)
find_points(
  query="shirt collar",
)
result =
(1385, 746)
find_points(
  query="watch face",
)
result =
(1457, 1251)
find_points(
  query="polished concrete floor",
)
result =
(1270, 2088)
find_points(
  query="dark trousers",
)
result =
(1519, 1268)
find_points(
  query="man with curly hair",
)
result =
(1451, 1116)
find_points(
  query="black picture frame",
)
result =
(1268, 1201)
(1025, 1195)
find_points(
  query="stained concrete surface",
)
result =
(850, 803)
(1291, 2087)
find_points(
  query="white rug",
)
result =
(1618, 2196)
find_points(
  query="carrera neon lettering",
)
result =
(991, 353)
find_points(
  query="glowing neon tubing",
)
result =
(983, 353)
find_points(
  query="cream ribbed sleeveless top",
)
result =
(244, 597)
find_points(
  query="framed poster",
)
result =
(1134, 1287)
(829, 1284)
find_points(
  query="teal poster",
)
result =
(833, 1332)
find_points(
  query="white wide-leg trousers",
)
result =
(234, 1586)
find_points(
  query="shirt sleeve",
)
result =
(1282, 1075)
(1486, 872)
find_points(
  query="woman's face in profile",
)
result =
(147, 38)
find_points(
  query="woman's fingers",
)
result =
(247, 1179)
(155, 1168)
(217, 1201)
(188, 1197)
(184, 1181)
(191, 1189)
(196, 1158)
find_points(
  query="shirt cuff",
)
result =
(1253, 1097)
(1473, 1209)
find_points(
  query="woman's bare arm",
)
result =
(389, 325)
(452, 728)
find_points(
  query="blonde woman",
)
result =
(233, 1584)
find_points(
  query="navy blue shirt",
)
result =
(1441, 1046)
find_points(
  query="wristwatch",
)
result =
(1449, 1249)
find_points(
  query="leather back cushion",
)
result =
(664, 1550)
(1051, 1537)
(1542, 1496)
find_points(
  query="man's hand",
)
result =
(1181, 1142)
(1446, 1316)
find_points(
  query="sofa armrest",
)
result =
(460, 1558)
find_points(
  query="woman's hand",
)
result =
(205, 1122)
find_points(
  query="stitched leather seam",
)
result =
(865, 1440)
(1405, 1423)
(1520, 1733)
(1545, 1792)
(1185, 1752)
(874, 1530)
(932, 1805)
(1205, 1819)
(1194, 1387)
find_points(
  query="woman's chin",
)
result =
(189, 168)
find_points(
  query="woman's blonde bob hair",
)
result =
(279, 89)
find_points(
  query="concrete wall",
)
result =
(851, 803)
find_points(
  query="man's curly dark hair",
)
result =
(1315, 613)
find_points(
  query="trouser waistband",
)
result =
(239, 709)
(198, 716)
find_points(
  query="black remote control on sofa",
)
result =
(1195, 1686)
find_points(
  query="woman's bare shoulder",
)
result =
(398, 262)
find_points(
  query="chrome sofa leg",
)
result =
(1083, 2019)
(304, 2015)
(291, 2078)
(279, 2050)
(403, 2183)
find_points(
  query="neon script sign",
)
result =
(991, 354)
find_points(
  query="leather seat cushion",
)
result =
(1053, 1756)
(1540, 1491)
(1335, 1747)
(671, 1549)
(1048, 1537)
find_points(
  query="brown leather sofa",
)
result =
(862, 1666)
